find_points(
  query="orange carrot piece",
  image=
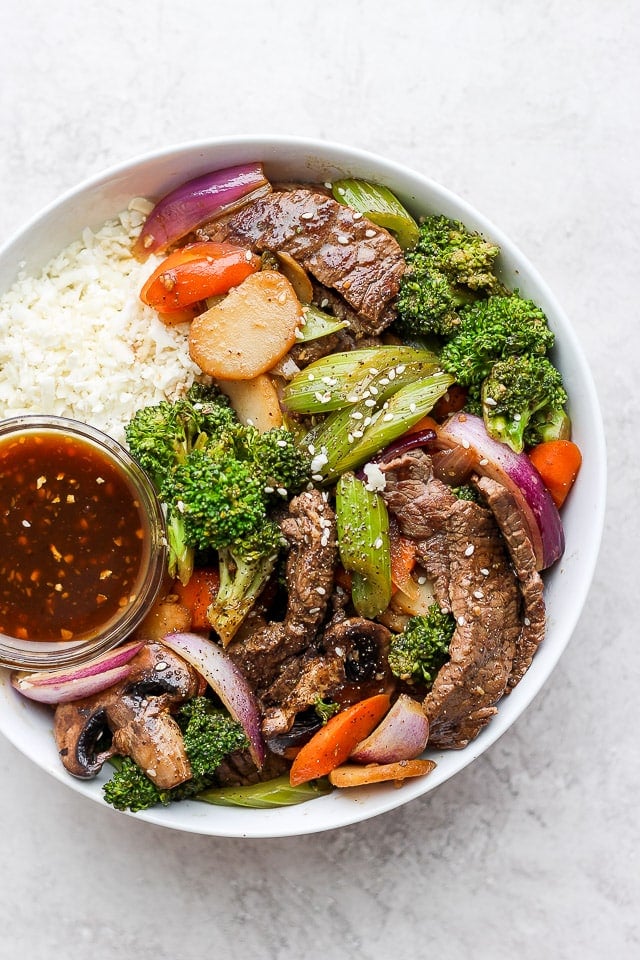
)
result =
(332, 744)
(403, 557)
(198, 595)
(426, 423)
(352, 775)
(558, 463)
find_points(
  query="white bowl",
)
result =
(28, 726)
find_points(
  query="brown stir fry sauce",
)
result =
(71, 538)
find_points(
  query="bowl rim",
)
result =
(359, 805)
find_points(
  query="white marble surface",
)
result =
(529, 111)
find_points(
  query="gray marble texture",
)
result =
(530, 112)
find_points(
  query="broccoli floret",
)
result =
(209, 736)
(162, 436)
(245, 568)
(466, 258)
(449, 268)
(466, 492)
(279, 461)
(490, 330)
(422, 648)
(325, 709)
(219, 500)
(516, 390)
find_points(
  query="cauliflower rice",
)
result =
(77, 341)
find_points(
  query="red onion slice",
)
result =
(74, 683)
(198, 201)
(226, 680)
(402, 735)
(515, 472)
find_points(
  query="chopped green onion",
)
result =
(271, 793)
(379, 205)
(316, 324)
(363, 541)
(340, 379)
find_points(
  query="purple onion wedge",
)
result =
(515, 472)
(198, 201)
(402, 735)
(74, 683)
(226, 680)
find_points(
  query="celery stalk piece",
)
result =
(379, 205)
(396, 416)
(344, 428)
(350, 436)
(271, 793)
(340, 379)
(316, 324)
(363, 541)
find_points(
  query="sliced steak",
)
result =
(260, 649)
(485, 603)
(350, 662)
(361, 261)
(421, 505)
(509, 519)
(463, 553)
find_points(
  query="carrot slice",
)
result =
(403, 556)
(558, 463)
(333, 743)
(196, 272)
(248, 331)
(198, 595)
(352, 775)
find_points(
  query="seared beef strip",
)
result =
(352, 656)
(361, 261)
(421, 505)
(485, 603)
(461, 549)
(509, 519)
(260, 648)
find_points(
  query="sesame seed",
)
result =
(461, 621)
(161, 665)
(373, 371)
(321, 591)
(490, 402)
(248, 255)
(324, 303)
(384, 382)
(25, 523)
(387, 417)
(483, 462)
(422, 580)
(370, 233)
(412, 408)
(391, 374)
(314, 610)
(328, 184)
(343, 240)
(269, 489)
(517, 417)
(317, 477)
(353, 398)
(478, 594)
(282, 491)
(527, 622)
(369, 403)
(356, 415)
(466, 444)
(357, 216)
(349, 438)
(281, 443)
(341, 191)
(307, 215)
(484, 572)
(358, 434)
(378, 543)
(311, 449)
(310, 377)
(374, 391)
(400, 369)
(469, 551)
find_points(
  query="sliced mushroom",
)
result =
(132, 718)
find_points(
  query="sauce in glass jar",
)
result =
(80, 544)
